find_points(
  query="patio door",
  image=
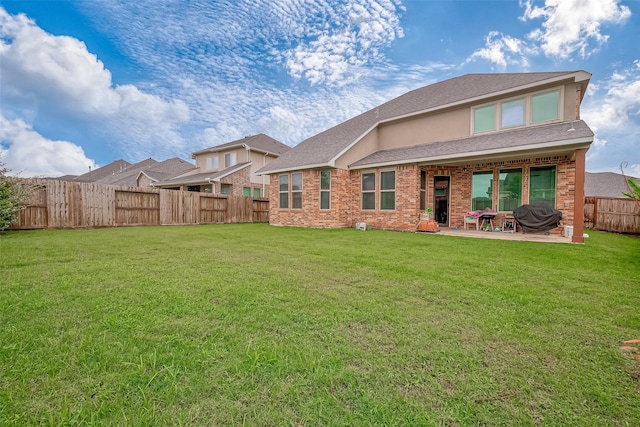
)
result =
(441, 185)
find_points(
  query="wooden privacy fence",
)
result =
(619, 215)
(62, 204)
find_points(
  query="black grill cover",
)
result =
(537, 217)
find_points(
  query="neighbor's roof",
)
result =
(168, 169)
(200, 178)
(106, 170)
(484, 145)
(127, 176)
(259, 142)
(605, 184)
(324, 148)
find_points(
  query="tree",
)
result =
(634, 189)
(13, 193)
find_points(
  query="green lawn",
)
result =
(258, 325)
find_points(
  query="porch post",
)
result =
(578, 198)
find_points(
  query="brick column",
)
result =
(578, 201)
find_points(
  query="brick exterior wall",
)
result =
(346, 194)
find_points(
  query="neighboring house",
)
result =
(230, 168)
(605, 184)
(141, 174)
(477, 141)
(99, 173)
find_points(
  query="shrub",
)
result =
(13, 193)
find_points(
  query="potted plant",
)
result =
(426, 215)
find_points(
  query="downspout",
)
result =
(264, 163)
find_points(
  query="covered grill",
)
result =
(537, 217)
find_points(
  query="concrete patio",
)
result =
(527, 237)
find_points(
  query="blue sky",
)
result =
(83, 83)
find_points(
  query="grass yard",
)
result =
(258, 325)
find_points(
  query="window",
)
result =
(484, 119)
(545, 106)
(215, 163)
(325, 190)
(256, 192)
(246, 191)
(296, 191)
(510, 189)
(225, 188)
(513, 113)
(229, 160)
(481, 190)
(423, 190)
(369, 190)
(388, 190)
(284, 191)
(542, 185)
(209, 163)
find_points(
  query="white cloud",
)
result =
(44, 74)
(612, 110)
(334, 54)
(572, 25)
(503, 50)
(27, 153)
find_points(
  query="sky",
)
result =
(84, 83)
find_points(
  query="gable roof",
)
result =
(167, 169)
(199, 178)
(259, 142)
(127, 176)
(604, 184)
(104, 171)
(515, 141)
(324, 148)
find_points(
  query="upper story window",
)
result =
(229, 159)
(212, 163)
(531, 109)
(545, 107)
(484, 119)
(512, 113)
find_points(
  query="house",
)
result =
(141, 174)
(98, 173)
(476, 141)
(605, 184)
(230, 168)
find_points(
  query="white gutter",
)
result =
(297, 168)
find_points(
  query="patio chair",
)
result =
(469, 219)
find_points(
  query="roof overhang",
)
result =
(567, 147)
(330, 164)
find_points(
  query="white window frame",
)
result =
(528, 110)
(296, 195)
(381, 190)
(325, 190)
(230, 159)
(371, 191)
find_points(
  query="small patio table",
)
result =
(487, 220)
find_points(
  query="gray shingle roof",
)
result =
(324, 147)
(259, 142)
(127, 176)
(168, 169)
(200, 178)
(479, 145)
(104, 171)
(604, 184)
